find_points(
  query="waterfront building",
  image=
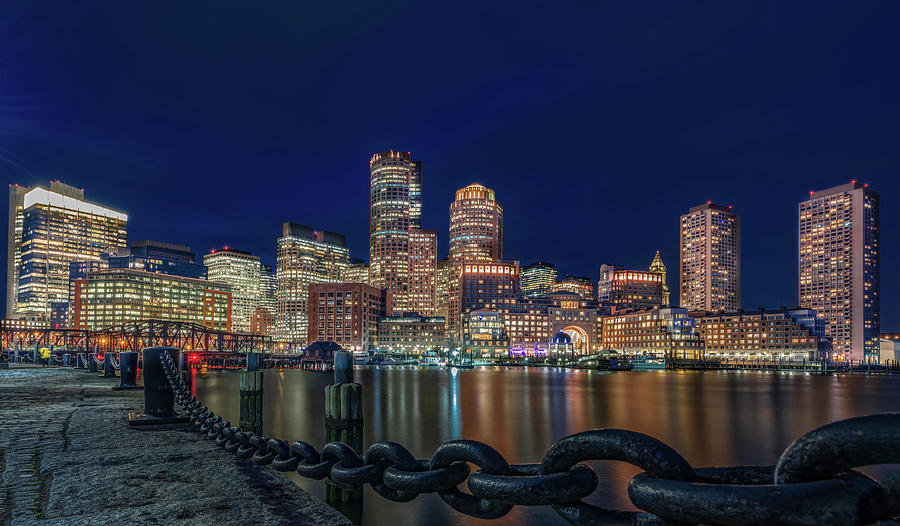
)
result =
(304, 257)
(442, 288)
(411, 334)
(889, 351)
(395, 206)
(710, 260)
(659, 267)
(531, 323)
(476, 236)
(262, 322)
(839, 266)
(242, 272)
(485, 286)
(421, 290)
(485, 337)
(661, 332)
(347, 314)
(357, 272)
(576, 284)
(24, 322)
(114, 297)
(537, 278)
(51, 229)
(630, 289)
(782, 334)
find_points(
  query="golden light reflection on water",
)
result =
(711, 418)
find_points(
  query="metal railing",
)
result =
(813, 481)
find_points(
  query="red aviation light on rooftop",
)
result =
(852, 181)
(865, 185)
(709, 202)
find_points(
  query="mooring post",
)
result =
(344, 419)
(159, 398)
(128, 370)
(109, 371)
(252, 395)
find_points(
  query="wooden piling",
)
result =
(251, 401)
(343, 422)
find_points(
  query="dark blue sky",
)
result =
(597, 124)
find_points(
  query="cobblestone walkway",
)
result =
(67, 457)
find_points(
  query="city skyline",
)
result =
(584, 180)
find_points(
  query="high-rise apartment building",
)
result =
(57, 227)
(304, 256)
(395, 206)
(537, 279)
(839, 266)
(476, 236)
(113, 297)
(422, 285)
(711, 259)
(242, 272)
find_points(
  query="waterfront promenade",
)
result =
(67, 457)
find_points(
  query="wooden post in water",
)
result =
(343, 419)
(251, 396)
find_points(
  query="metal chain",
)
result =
(813, 482)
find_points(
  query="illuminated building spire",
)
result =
(659, 267)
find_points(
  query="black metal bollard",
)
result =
(109, 371)
(128, 370)
(66, 360)
(92, 363)
(159, 399)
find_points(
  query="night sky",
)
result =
(598, 125)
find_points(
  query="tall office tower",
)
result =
(240, 270)
(267, 288)
(357, 272)
(537, 279)
(395, 206)
(476, 236)
(442, 288)
(657, 266)
(14, 245)
(422, 291)
(415, 196)
(711, 259)
(58, 227)
(304, 256)
(839, 266)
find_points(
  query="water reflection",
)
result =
(711, 418)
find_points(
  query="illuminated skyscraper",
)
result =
(422, 293)
(537, 278)
(839, 266)
(711, 259)
(476, 236)
(241, 270)
(395, 206)
(57, 227)
(304, 257)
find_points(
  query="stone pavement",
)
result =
(67, 457)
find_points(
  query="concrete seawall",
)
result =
(67, 457)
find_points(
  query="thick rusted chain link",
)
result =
(813, 482)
